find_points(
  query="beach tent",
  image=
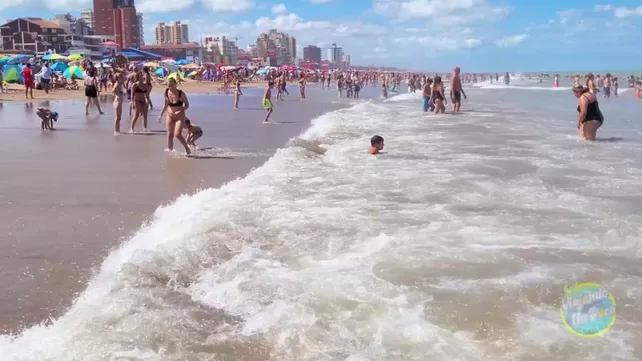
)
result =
(11, 74)
(74, 71)
(59, 66)
(162, 72)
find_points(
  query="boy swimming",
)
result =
(193, 132)
(376, 145)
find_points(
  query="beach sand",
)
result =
(69, 196)
(17, 92)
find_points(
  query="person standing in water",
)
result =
(590, 84)
(267, 101)
(139, 97)
(302, 86)
(176, 104)
(590, 117)
(91, 91)
(456, 91)
(119, 97)
(376, 145)
(237, 93)
(437, 95)
(426, 96)
(556, 81)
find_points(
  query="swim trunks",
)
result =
(456, 96)
(267, 104)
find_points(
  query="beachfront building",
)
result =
(335, 54)
(87, 16)
(276, 47)
(346, 60)
(312, 54)
(174, 33)
(118, 18)
(141, 29)
(33, 34)
(224, 47)
(80, 38)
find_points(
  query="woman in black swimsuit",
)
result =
(590, 118)
(176, 103)
(91, 91)
(139, 98)
(148, 82)
(437, 95)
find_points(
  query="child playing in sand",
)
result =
(48, 117)
(193, 132)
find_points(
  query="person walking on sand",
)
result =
(147, 77)
(91, 91)
(119, 97)
(302, 86)
(237, 93)
(267, 101)
(27, 75)
(176, 104)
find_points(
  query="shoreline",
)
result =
(16, 93)
(99, 198)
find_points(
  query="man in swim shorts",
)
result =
(267, 101)
(457, 90)
(376, 145)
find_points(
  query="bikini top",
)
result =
(177, 103)
(139, 90)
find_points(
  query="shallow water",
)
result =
(455, 244)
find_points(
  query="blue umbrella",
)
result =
(162, 72)
(22, 58)
(59, 66)
(182, 62)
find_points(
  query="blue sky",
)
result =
(478, 35)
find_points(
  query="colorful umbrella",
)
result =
(151, 64)
(168, 60)
(190, 66)
(110, 44)
(76, 57)
(176, 76)
(74, 71)
(182, 62)
(192, 74)
(54, 57)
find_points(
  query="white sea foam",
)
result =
(453, 245)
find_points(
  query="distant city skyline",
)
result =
(480, 35)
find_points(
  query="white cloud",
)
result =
(511, 40)
(232, 6)
(453, 11)
(439, 43)
(154, 6)
(279, 9)
(626, 12)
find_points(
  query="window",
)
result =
(54, 39)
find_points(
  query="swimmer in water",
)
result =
(193, 132)
(590, 117)
(376, 145)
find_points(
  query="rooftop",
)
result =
(48, 24)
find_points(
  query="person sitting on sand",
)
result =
(376, 145)
(193, 132)
(590, 117)
(267, 101)
(48, 117)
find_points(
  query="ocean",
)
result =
(456, 243)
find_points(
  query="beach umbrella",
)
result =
(176, 76)
(53, 57)
(192, 74)
(59, 66)
(74, 70)
(18, 59)
(190, 66)
(228, 68)
(162, 72)
(4, 61)
(151, 64)
(110, 44)
(76, 57)
(11, 74)
(168, 60)
(182, 62)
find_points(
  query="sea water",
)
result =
(455, 244)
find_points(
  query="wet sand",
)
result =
(69, 196)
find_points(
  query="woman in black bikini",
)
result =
(176, 103)
(147, 76)
(139, 98)
(590, 118)
(91, 91)
(437, 95)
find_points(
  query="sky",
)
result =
(428, 35)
